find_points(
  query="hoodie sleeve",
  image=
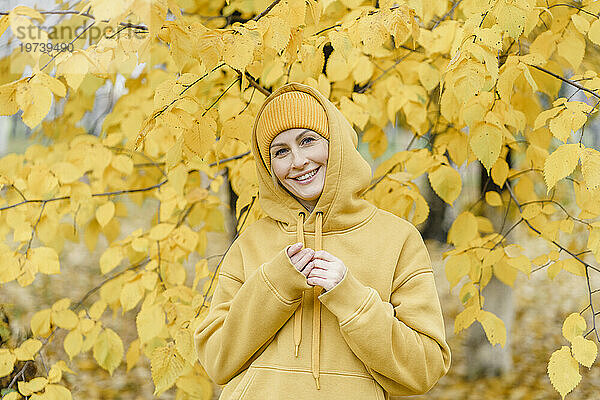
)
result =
(402, 342)
(230, 334)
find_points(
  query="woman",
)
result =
(325, 264)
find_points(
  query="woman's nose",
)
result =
(298, 159)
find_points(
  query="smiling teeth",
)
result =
(306, 176)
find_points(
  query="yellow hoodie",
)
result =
(379, 332)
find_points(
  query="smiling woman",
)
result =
(299, 162)
(326, 263)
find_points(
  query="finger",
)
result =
(313, 264)
(316, 282)
(324, 255)
(293, 249)
(296, 256)
(304, 253)
(305, 258)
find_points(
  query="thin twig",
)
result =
(570, 82)
(87, 15)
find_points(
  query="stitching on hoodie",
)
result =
(360, 309)
(230, 276)
(277, 294)
(415, 273)
(331, 233)
(307, 371)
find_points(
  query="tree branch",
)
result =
(87, 15)
(570, 82)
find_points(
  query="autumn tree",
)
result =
(474, 79)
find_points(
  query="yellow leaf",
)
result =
(97, 309)
(500, 171)
(108, 350)
(150, 321)
(9, 267)
(40, 323)
(563, 371)
(486, 143)
(493, 199)
(166, 365)
(7, 362)
(561, 125)
(122, 163)
(512, 16)
(239, 49)
(363, 70)
(590, 167)
(594, 32)
(28, 349)
(34, 385)
(12, 396)
(35, 101)
(506, 273)
(572, 48)
(196, 385)
(106, 9)
(446, 182)
(184, 343)
(573, 266)
(493, 326)
(110, 259)
(4, 24)
(560, 163)
(463, 229)
(457, 267)
(55, 85)
(131, 294)
(580, 23)
(46, 260)
(73, 343)
(584, 351)
(160, 231)
(522, 263)
(66, 172)
(355, 113)
(133, 354)
(543, 117)
(65, 319)
(58, 392)
(105, 213)
(466, 318)
(574, 325)
(73, 66)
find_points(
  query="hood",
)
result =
(347, 175)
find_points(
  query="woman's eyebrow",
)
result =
(297, 137)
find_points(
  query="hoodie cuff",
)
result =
(284, 279)
(346, 299)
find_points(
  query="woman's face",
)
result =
(299, 161)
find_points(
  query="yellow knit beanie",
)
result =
(286, 111)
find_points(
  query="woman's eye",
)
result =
(308, 139)
(279, 152)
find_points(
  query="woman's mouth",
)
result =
(308, 177)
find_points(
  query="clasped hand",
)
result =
(320, 267)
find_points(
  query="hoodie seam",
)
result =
(414, 274)
(337, 232)
(230, 276)
(359, 311)
(276, 292)
(307, 371)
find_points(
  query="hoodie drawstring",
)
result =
(298, 314)
(316, 333)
